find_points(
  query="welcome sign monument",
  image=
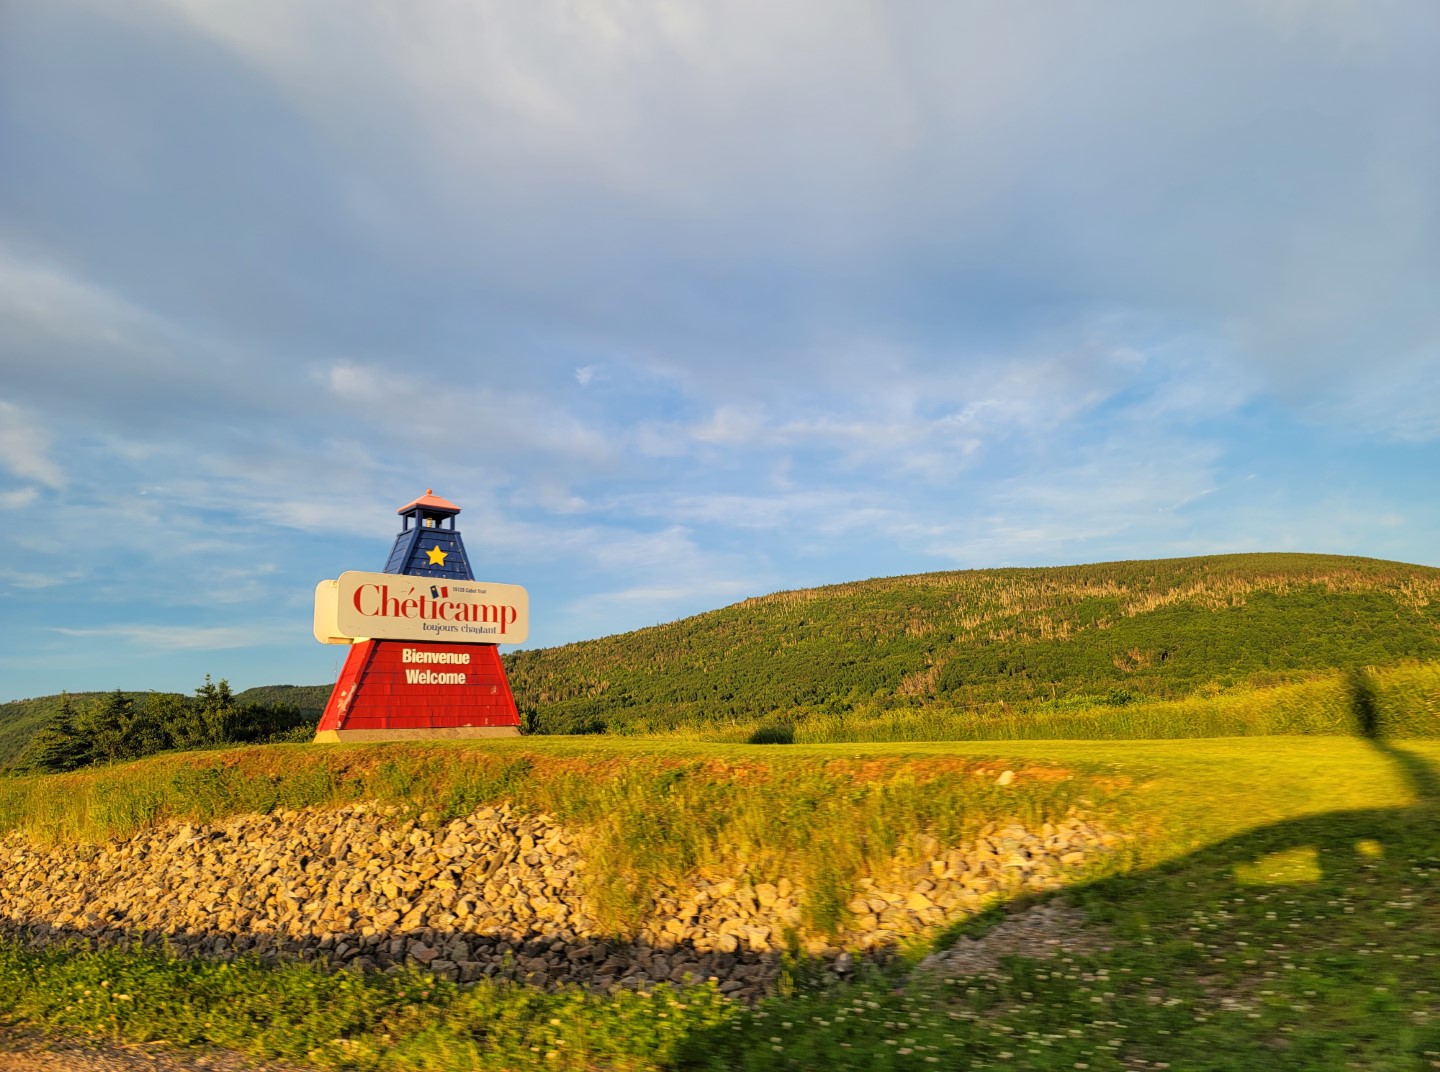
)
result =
(424, 660)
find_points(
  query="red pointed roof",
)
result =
(430, 501)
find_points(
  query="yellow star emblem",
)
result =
(437, 556)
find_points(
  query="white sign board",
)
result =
(391, 606)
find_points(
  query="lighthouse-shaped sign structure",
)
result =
(424, 661)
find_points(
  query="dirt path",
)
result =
(1046, 931)
(31, 1053)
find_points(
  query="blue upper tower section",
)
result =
(431, 547)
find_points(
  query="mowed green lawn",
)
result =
(1281, 907)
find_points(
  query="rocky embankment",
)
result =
(497, 893)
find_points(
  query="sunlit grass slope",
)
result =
(823, 815)
(1403, 699)
(1097, 636)
(1281, 905)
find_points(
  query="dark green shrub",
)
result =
(773, 733)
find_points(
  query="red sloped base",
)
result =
(385, 685)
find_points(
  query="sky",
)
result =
(689, 302)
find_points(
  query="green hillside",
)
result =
(19, 720)
(1074, 643)
(1109, 633)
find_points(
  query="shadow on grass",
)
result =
(1308, 944)
(1422, 778)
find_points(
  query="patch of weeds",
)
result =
(476, 786)
(825, 908)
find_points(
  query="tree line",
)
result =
(119, 727)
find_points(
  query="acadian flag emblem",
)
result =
(439, 591)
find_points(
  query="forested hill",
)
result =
(1110, 632)
(308, 698)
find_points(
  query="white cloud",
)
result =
(814, 511)
(35, 581)
(41, 302)
(616, 159)
(18, 500)
(1124, 493)
(1404, 407)
(609, 90)
(25, 451)
(189, 638)
(732, 426)
(602, 613)
(557, 499)
(500, 425)
(97, 364)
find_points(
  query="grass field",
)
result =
(822, 815)
(1404, 700)
(1284, 901)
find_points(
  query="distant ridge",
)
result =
(309, 698)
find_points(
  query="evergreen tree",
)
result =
(108, 726)
(216, 711)
(58, 745)
(181, 718)
(148, 730)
